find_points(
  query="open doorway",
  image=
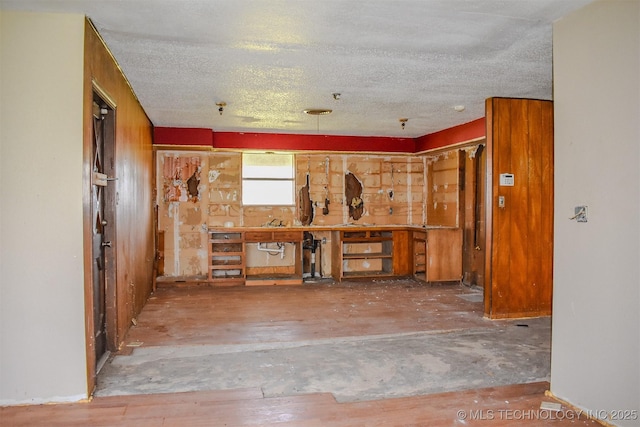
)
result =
(473, 173)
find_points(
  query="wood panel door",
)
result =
(519, 235)
(99, 243)
(103, 230)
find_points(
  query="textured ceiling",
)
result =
(271, 59)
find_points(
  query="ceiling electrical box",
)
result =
(506, 180)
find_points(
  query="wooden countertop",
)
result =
(355, 227)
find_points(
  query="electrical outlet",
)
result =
(580, 213)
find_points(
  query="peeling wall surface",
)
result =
(393, 192)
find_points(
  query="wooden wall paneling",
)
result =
(515, 250)
(135, 236)
(501, 152)
(540, 155)
(520, 253)
(533, 156)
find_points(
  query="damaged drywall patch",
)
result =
(192, 185)
(181, 179)
(306, 205)
(353, 194)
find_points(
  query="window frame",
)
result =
(266, 179)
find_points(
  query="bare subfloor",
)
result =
(359, 341)
(366, 353)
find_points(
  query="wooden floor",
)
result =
(204, 315)
(241, 315)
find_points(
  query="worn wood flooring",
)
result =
(205, 315)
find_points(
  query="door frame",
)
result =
(110, 235)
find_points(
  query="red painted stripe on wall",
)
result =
(182, 136)
(453, 135)
(293, 142)
(276, 141)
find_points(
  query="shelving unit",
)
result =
(362, 254)
(226, 257)
(419, 255)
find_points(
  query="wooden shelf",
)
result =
(226, 257)
(369, 253)
(419, 255)
(377, 255)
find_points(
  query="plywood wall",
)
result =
(393, 193)
(392, 187)
(442, 195)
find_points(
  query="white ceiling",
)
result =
(271, 59)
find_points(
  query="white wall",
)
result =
(596, 326)
(42, 334)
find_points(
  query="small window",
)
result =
(267, 179)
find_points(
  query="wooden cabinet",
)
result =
(437, 254)
(277, 273)
(370, 253)
(226, 257)
(419, 268)
(443, 258)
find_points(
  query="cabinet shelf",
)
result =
(226, 257)
(369, 253)
(372, 255)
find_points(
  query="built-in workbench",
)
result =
(357, 252)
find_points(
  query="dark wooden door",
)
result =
(99, 243)
(103, 202)
(519, 241)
